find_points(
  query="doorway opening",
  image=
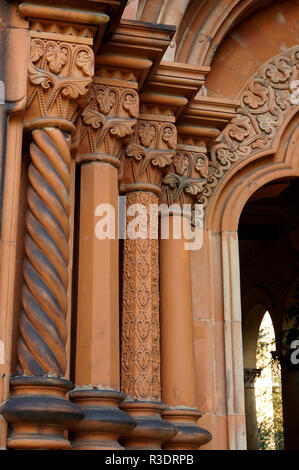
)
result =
(269, 267)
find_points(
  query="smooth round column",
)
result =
(177, 342)
(177, 345)
(97, 374)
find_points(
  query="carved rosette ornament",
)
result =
(59, 76)
(147, 157)
(108, 118)
(266, 101)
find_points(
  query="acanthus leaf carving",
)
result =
(156, 157)
(256, 95)
(73, 88)
(116, 127)
(174, 188)
(36, 50)
(145, 160)
(41, 77)
(201, 165)
(108, 119)
(120, 127)
(146, 132)
(57, 57)
(92, 118)
(169, 136)
(187, 177)
(59, 75)
(265, 103)
(150, 152)
(106, 98)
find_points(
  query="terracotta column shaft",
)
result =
(177, 342)
(110, 115)
(151, 149)
(180, 186)
(98, 289)
(59, 75)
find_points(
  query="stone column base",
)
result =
(104, 422)
(39, 414)
(151, 430)
(189, 435)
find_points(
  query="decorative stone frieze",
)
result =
(265, 102)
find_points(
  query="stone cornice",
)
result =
(67, 14)
(135, 47)
(206, 116)
(91, 18)
(173, 85)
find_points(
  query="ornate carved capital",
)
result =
(59, 76)
(249, 377)
(109, 117)
(150, 152)
(187, 177)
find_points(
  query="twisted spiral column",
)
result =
(43, 332)
(37, 411)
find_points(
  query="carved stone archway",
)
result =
(258, 146)
(267, 103)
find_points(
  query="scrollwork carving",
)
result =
(265, 103)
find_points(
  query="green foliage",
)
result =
(270, 432)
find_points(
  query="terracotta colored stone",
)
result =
(177, 101)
